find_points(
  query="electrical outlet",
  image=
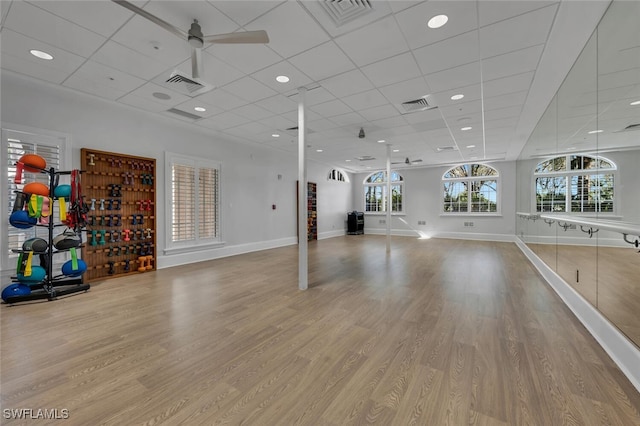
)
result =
(468, 224)
(422, 222)
(383, 221)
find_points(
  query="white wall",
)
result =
(250, 183)
(423, 198)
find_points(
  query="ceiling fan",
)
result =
(195, 37)
(408, 162)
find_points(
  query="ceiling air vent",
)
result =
(446, 148)
(630, 128)
(294, 130)
(421, 104)
(365, 158)
(344, 11)
(184, 114)
(181, 83)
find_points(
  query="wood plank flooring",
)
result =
(440, 332)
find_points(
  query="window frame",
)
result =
(335, 174)
(567, 174)
(383, 184)
(468, 180)
(185, 246)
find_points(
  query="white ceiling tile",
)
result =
(509, 84)
(37, 23)
(278, 104)
(4, 9)
(516, 33)
(508, 112)
(400, 5)
(452, 52)
(181, 14)
(124, 59)
(392, 70)
(267, 76)
(246, 11)
(422, 116)
(503, 101)
(496, 10)
(453, 78)
(374, 42)
(321, 125)
(300, 33)
(347, 84)
(315, 64)
(253, 112)
(316, 95)
(190, 105)
(364, 100)
(390, 123)
(348, 118)
(512, 63)
(151, 40)
(223, 121)
(222, 99)
(279, 122)
(254, 128)
(248, 58)
(413, 21)
(16, 57)
(146, 91)
(249, 89)
(103, 81)
(102, 17)
(331, 108)
(142, 103)
(379, 112)
(406, 90)
(214, 71)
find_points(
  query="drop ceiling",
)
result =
(359, 61)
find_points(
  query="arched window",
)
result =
(338, 175)
(375, 192)
(575, 183)
(471, 188)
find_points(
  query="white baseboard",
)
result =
(226, 251)
(331, 234)
(624, 353)
(509, 238)
(397, 232)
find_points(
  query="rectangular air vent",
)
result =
(421, 104)
(184, 114)
(365, 158)
(344, 11)
(186, 85)
(446, 148)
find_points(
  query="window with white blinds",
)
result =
(194, 201)
(15, 144)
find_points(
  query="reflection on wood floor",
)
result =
(439, 332)
(608, 277)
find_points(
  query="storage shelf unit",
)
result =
(312, 210)
(121, 233)
(355, 223)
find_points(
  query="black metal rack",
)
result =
(51, 286)
(355, 223)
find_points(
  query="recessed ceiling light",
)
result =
(381, 141)
(471, 146)
(275, 135)
(318, 150)
(282, 79)
(396, 150)
(437, 21)
(40, 54)
(160, 95)
(464, 129)
(596, 131)
(200, 109)
(635, 103)
(348, 161)
(457, 97)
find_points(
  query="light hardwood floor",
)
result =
(441, 332)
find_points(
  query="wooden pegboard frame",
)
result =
(121, 231)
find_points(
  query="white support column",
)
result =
(303, 261)
(389, 198)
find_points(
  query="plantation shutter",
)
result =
(183, 206)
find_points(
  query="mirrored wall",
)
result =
(579, 174)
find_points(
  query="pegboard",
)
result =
(121, 233)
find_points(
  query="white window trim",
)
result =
(566, 173)
(65, 162)
(365, 184)
(497, 178)
(189, 246)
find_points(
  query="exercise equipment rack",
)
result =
(52, 286)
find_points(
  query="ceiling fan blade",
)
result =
(164, 24)
(259, 36)
(196, 62)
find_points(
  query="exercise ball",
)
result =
(15, 289)
(67, 268)
(37, 245)
(66, 240)
(33, 163)
(36, 188)
(21, 219)
(37, 275)
(62, 191)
